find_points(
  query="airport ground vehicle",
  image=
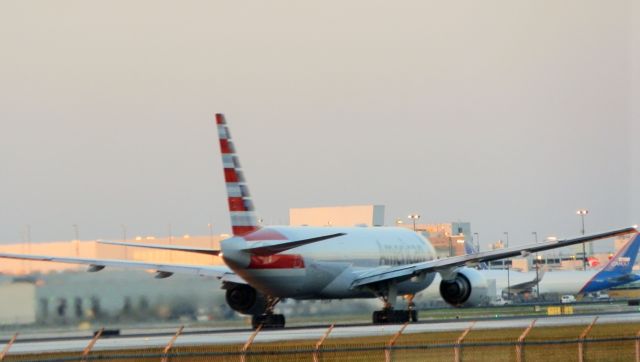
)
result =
(603, 297)
(266, 264)
(567, 298)
(499, 301)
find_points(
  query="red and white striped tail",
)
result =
(243, 217)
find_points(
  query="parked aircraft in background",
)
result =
(618, 271)
(266, 264)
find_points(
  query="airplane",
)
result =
(264, 265)
(618, 271)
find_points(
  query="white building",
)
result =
(346, 216)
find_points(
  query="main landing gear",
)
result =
(390, 315)
(269, 320)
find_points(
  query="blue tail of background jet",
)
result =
(470, 249)
(618, 270)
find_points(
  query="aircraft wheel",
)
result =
(393, 316)
(376, 318)
(268, 321)
(402, 316)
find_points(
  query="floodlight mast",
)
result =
(582, 213)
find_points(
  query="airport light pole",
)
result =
(477, 236)
(582, 213)
(23, 243)
(76, 233)
(506, 233)
(170, 242)
(210, 226)
(536, 260)
(414, 217)
(124, 239)
(28, 232)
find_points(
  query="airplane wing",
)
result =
(190, 249)
(447, 265)
(162, 270)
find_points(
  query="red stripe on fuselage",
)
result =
(243, 230)
(265, 234)
(278, 261)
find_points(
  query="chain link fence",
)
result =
(576, 343)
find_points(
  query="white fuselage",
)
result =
(327, 269)
(558, 282)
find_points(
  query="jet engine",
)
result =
(467, 288)
(244, 299)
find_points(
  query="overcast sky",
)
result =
(510, 115)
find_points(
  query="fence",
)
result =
(487, 345)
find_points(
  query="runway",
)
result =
(33, 344)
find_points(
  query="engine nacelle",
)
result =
(468, 288)
(244, 299)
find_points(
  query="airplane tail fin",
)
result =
(625, 258)
(470, 249)
(243, 217)
(619, 270)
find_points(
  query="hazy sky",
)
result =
(634, 135)
(510, 115)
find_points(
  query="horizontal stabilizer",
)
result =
(219, 271)
(519, 288)
(189, 249)
(280, 247)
